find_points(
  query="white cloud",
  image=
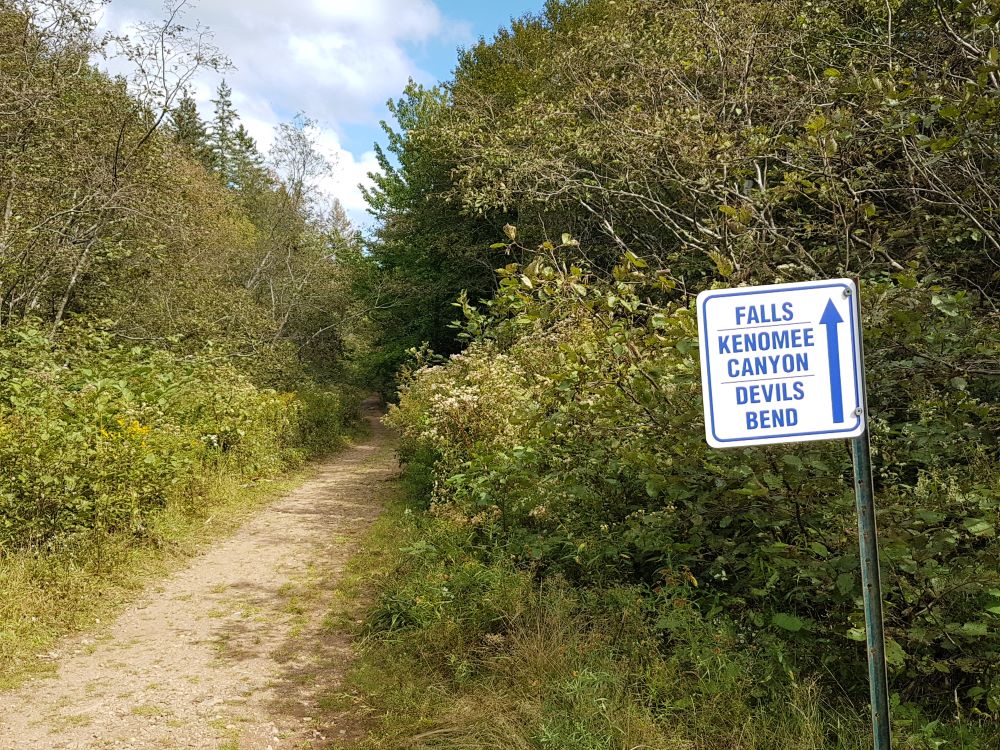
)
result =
(336, 60)
(348, 171)
(345, 56)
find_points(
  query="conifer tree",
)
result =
(222, 136)
(189, 130)
(247, 161)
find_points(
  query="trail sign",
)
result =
(784, 364)
(781, 363)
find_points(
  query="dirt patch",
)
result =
(231, 652)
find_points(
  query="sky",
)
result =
(337, 61)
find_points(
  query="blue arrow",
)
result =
(831, 319)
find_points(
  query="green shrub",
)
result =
(463, 650)
(95, 435)
(503, 661)
(569, 435)
(325, 414)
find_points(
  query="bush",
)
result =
(569, 435)
(463, 650)
(96, 436)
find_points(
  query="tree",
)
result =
(79, 149)
(106, 213)
(741, 141)
(297, 160)
(222, 133)
(165, 56)
(247, 162)
(425, 251)
(189, 130)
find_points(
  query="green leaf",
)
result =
(975, 629)
(894, 654)
(979, 527)
(788, 622)
(634, 259)
(819, 549)
(792, 460)
(949, 111)
(845, 583)
(816, 123)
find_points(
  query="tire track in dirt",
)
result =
(229, 653)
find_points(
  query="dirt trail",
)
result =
(231, 652)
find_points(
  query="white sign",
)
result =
(781, 363)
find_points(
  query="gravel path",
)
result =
(231, 652)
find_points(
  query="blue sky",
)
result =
(436, 57)
(338, 61)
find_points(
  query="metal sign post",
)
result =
(871, 579)
(784, 364)
(871, 586)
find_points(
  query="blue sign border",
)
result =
(854, 359)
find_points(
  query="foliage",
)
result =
(424, 251)
(743, 140)
(98, 436)
(107, 209)
(706, 143)
(461, 649)
(569, 436)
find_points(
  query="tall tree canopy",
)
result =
(119, 202)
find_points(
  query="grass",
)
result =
(149, 710)
(66, 721)
(511, 663)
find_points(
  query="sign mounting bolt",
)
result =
(847, 293)
(859, 411)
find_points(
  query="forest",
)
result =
(569, 565)
(173, 321)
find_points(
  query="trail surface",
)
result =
(229, 653)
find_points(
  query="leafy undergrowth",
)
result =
(115, 461)
(462, 650)
(582, 572)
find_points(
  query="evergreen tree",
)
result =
(340, 222)
(189, 129)
(222, 137)
(426, 250)
(245, 147)
(247, 164)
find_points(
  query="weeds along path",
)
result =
(229, 653)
